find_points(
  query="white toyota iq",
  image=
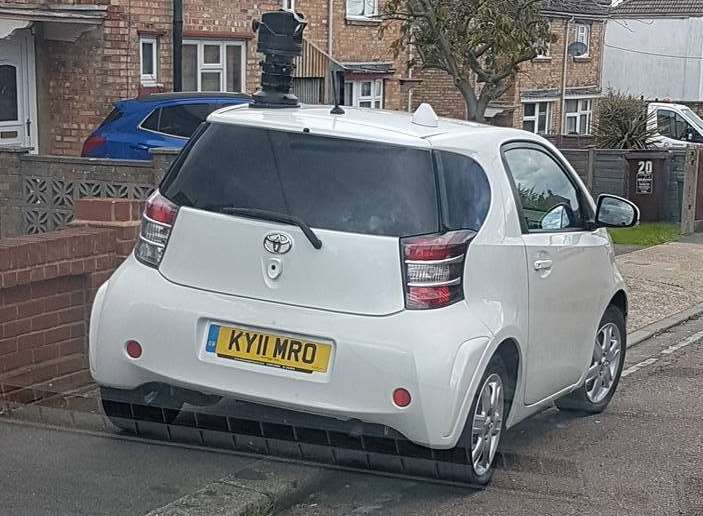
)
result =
(443, 278)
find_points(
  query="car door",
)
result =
(567, 266)
(671, 128)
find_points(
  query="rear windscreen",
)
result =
(330, 183)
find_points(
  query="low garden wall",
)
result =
(47, 286)
(38, 193)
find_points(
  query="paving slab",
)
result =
(663, 280)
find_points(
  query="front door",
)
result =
(17, 90)
(566, 264)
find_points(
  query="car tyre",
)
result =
(485, 424)
(605, 369)
(122, 407)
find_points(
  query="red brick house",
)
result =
(547, 86)
(63, 63)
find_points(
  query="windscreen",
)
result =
(330, 183)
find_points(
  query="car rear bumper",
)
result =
(434, 354)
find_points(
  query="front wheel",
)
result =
(485, 424)
(604, 372)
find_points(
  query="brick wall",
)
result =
(37, 193)
(47, 284)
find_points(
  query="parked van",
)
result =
(676, 125)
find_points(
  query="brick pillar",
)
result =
(10, 191)
(121, 215)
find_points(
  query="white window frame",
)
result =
(374, 98)
(583, 35)
(547, 105)
(580, 110)
(288, 5)
(366, 15)
(220, 67)
(149, 79)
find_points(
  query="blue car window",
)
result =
(152, 121)
(183, 120)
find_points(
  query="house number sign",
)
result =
(644, 179)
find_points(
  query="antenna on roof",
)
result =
(280, 39)
(336, 110)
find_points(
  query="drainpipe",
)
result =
(330, 17)
(177, 45)
(562, 122)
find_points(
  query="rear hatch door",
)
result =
(359, 198)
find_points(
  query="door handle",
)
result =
(543, 265)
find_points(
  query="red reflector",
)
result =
(401, 397)
(134, 349)
(160, 209)
(91, 144)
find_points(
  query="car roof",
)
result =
(357, 123)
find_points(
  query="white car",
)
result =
(443, 278)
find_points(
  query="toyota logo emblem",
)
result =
(278, 243)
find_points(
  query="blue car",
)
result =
(160, 120)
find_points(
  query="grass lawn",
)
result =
(646, 234)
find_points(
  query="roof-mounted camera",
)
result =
(280, 39)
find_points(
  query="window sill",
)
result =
(582, 59)
(542, 59)
(363, 21)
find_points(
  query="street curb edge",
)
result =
(655, 328)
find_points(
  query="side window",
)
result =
(550, 201)
(466, 192)
(184, 119)
(665, 122)
(152, 121)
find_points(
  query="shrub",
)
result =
(622, 123)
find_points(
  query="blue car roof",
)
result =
(154, 99)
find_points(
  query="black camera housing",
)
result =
(280, 39)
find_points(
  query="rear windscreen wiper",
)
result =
(273, 216)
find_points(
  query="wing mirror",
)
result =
(615, 212)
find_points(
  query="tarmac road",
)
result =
(642, 456)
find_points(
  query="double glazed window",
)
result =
(365, 94)
(583, 35)
(213, 66)
(578, 116)
(549, 199)
(362, 8)
(148, 60)
(536, 117)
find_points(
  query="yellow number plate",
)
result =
(283, 351)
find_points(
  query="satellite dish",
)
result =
(577, 49)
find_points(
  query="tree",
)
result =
(622, 123)
(479, 43)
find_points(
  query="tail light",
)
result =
(157, 221)
(94, 141)
(434, 269)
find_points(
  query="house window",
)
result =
(583, 35)
(536, 117)
(148, 60)
(288, 5)
(365, 94)
(362, 8)
(545, 52)
(578, 116)
(213, 65)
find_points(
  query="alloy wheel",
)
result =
(605, 363)
(487, 424)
